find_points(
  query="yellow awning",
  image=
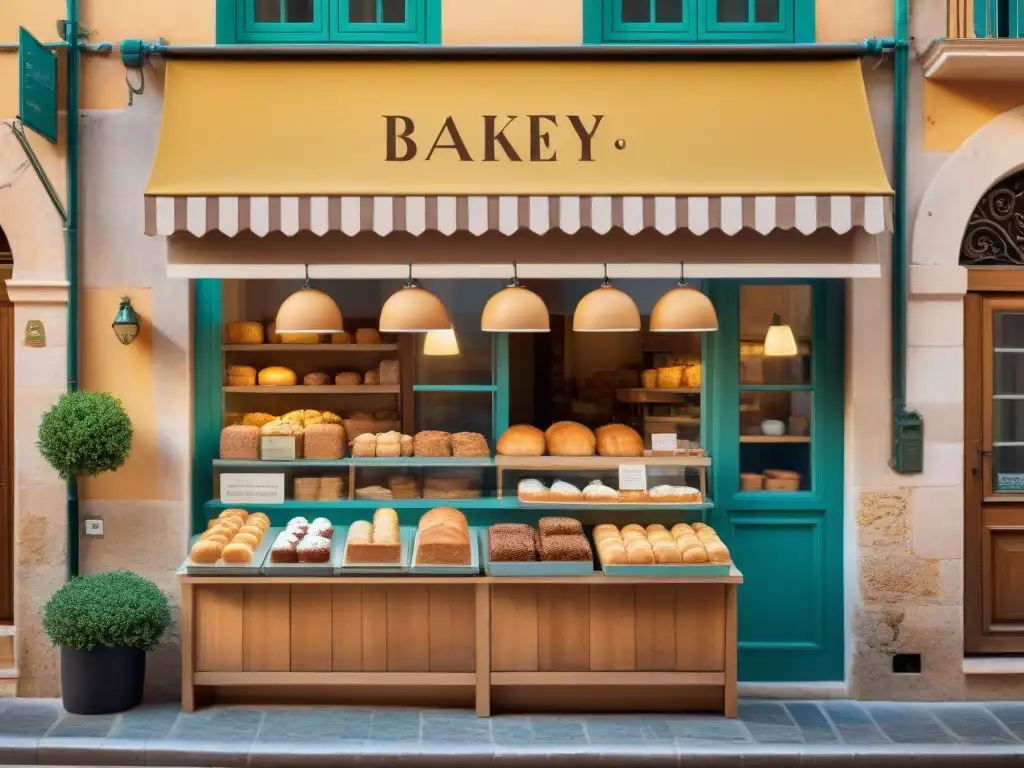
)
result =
(474, 145)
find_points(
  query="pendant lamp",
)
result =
(515, 310)
(441, 343)
(683, 309)
(606, 310)
(779, 341)
(413, 310)
(308, 311)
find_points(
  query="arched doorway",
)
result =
(6, 441)
(992, 247)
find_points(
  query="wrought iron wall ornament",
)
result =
(995, 231)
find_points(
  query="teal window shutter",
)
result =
(672, 22)
(354, 22)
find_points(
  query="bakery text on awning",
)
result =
(414, 146)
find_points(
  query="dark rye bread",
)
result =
(562, 548)
(559, 526)
(512, 547)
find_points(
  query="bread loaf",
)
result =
(365, 446)
(372, 378)
(277, 376)
(348, 379)
(565, 548)
(360, 531)
(443, 538)
(241, 443)
(241, 376)
(341, 338)
(359, 423)
(432, 442)
(244, 333)
(390, 372)
(408, 446)
(649, 378)
(367, 336)
(618, 440)
(568, 438)
(385, 526)
(316, 379)
(389, 444)
(257, 419)
(206, 551)
(324, 442)
(470, 445)
(511, 543)
(670, 377)
(521, 440)
(555, 526)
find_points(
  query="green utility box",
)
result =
(908, 442)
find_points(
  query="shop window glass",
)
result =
(701, 21)
(776, 388)
(455, 412)
(332, 21)
(1008, 401)
(472, 366)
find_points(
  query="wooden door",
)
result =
(994, 473)
(6, 457)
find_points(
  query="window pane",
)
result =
(775, 354)
(775, 442)
(668, 11)
(267, 11)
(393, 11)
(733, 11)
(362, 11)
(636, 11)
(1008, 402)
(766, 11)
(472, 365)
(299, 11)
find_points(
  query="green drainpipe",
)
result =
(73, 60)
(907, 426)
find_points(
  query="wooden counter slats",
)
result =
(655, 624)
(700, 628)
(347, 627)
(409, 629)
(514, 628)
(374, 624)
(333, 678)
(451, 611)
(311, 628)
(612, 628)
(607, 678)
(218, 628)
(267, 628)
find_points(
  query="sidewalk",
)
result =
(830, 733)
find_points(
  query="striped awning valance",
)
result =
(384, 215)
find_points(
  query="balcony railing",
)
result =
(985, 18)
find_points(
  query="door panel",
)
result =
(6, 458)
(994, 474)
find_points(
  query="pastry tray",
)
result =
(473, 569)
(695, 570)
(405, 534)
(536, 568)
(220, 568)
(307, 569)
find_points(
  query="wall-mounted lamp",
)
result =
(126, 322)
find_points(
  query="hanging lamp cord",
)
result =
(410, 283)
(682, 274)
(606, 280)
(515, 276)
(306, 284)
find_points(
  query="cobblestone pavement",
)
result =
(827, 733)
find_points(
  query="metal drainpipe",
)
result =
(71, 32)
(901, 53)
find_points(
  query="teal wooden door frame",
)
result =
(207, 410)
(789, 545)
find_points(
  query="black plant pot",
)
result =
(102, 681)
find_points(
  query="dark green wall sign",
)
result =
(37, 78)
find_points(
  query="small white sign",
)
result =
(632, 477)
(664, 442)
(1009, 482)
(278, 448)
(238, 488)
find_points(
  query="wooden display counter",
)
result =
(565, 643)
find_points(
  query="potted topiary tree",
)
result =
(85, 434)
(104, 624)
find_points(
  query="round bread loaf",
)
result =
(569, 438)
(521, 440)
(237, 553)
(316, 379)
(348, 379)
(619, 440)
(206, 551)
(277, 376)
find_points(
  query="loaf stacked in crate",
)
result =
(556, 539)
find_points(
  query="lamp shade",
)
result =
(441, 343)
(413, 310)
(606, 309)
(515, 310)
(309, 311)
(683, 309)
(779, 341)
(126, 322)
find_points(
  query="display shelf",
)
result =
(674, 419)
(309, 347)
(408, 462)
(328, 389)
(640, 395)
(469, 388)
(584, 506)
(485, 502)
(583, 463)
(775, 439)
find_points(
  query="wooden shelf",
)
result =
(309, 347)
(335, 678)
(641, 395)
(291, 506)
(775, 439)
(734, 577)
(607, 678)
(584, 463)
(674, 419)
(329, 389)
(303, 464)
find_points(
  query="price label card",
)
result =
(664, 442)
(238, 488)
(632, 477)
(278, 448)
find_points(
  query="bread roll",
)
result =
(521, 440)
(341, 338)
(277, 376)
(257, 419)
(654, 527)
(629, 536)
(407, 445)
(680, 529)
(661, 536)
(248, 539)
(649, 378)
(614, 556)
(640, 552)
(568, 438)
(255, 530)
(619, 440)
(245, 333)
(206, 551)
(634, 527)
(348, 379)
(258, 517)
(240, 376)
(693, 551)
(365, 445)
(666, 552)
(237, 554)
(316, 379)
(361, 530)
(385, 526)
(367, 336)
(389, 444)
(670, 377)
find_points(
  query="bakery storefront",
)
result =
(594, 488)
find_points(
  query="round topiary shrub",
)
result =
(118, 609)
(85, 434)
